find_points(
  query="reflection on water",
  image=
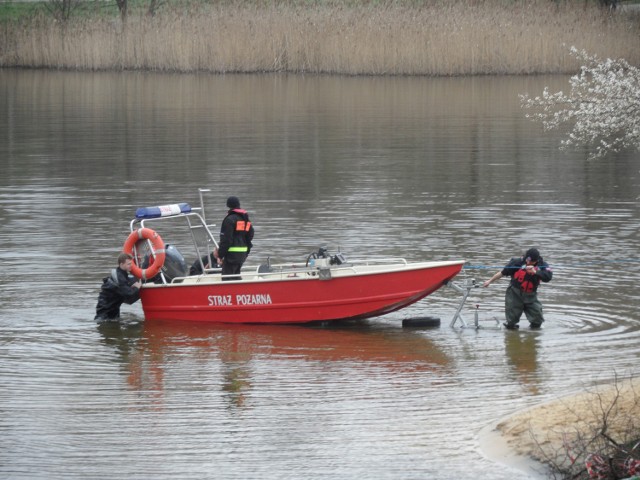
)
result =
(521, 349)
(145, 349)
(353, 341)
(425, 168)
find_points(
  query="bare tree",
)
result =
(609, 4)
(154, 5)
(123, 7)
(62, 9)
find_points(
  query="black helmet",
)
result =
(233, 202)
(532, 255)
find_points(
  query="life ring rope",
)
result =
(157, 251)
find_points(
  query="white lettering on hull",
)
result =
(220, 300)
(259, 299)
(228, 300)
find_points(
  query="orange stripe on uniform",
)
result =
(242, 226)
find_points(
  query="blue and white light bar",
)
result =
(163, 211)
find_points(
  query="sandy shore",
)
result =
(528, 439)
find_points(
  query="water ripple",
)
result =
(352, 401)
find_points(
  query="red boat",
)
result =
(323, 288)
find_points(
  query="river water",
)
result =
(425, 168)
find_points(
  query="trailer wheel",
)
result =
(421, 322)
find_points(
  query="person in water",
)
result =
(236, 235)
(118, 288)
(526, 274)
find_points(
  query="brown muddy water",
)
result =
(425, 168)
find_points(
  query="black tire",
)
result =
(421, 322)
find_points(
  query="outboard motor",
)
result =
(174, 265)
(338, 259)
(322, 258)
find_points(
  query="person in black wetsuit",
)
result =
(209, 261)
(526, 274)
(236, 235)
(118, 288)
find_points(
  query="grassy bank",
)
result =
(372, 38)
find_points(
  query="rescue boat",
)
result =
(321, 287)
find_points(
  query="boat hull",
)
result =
(346, 293)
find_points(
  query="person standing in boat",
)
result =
(526, 274)
(236, 234)
(118, 288)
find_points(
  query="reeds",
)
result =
(384, 38)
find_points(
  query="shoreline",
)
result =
(525, 438)
(362, 39)
(496, 447)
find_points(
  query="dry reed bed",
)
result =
(440, 38)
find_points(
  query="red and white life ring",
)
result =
(158, 252)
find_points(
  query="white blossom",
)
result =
(603, 106)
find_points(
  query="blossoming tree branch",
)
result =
(603, 106)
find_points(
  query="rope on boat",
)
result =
(556, 266)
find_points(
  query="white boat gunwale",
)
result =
(294, 273)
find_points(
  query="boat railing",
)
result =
(195, 222)
(379, 261)
(301, 270)
(251, 275)
(349, 263)
(322, 271)
(200, 225)
(274, 272)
